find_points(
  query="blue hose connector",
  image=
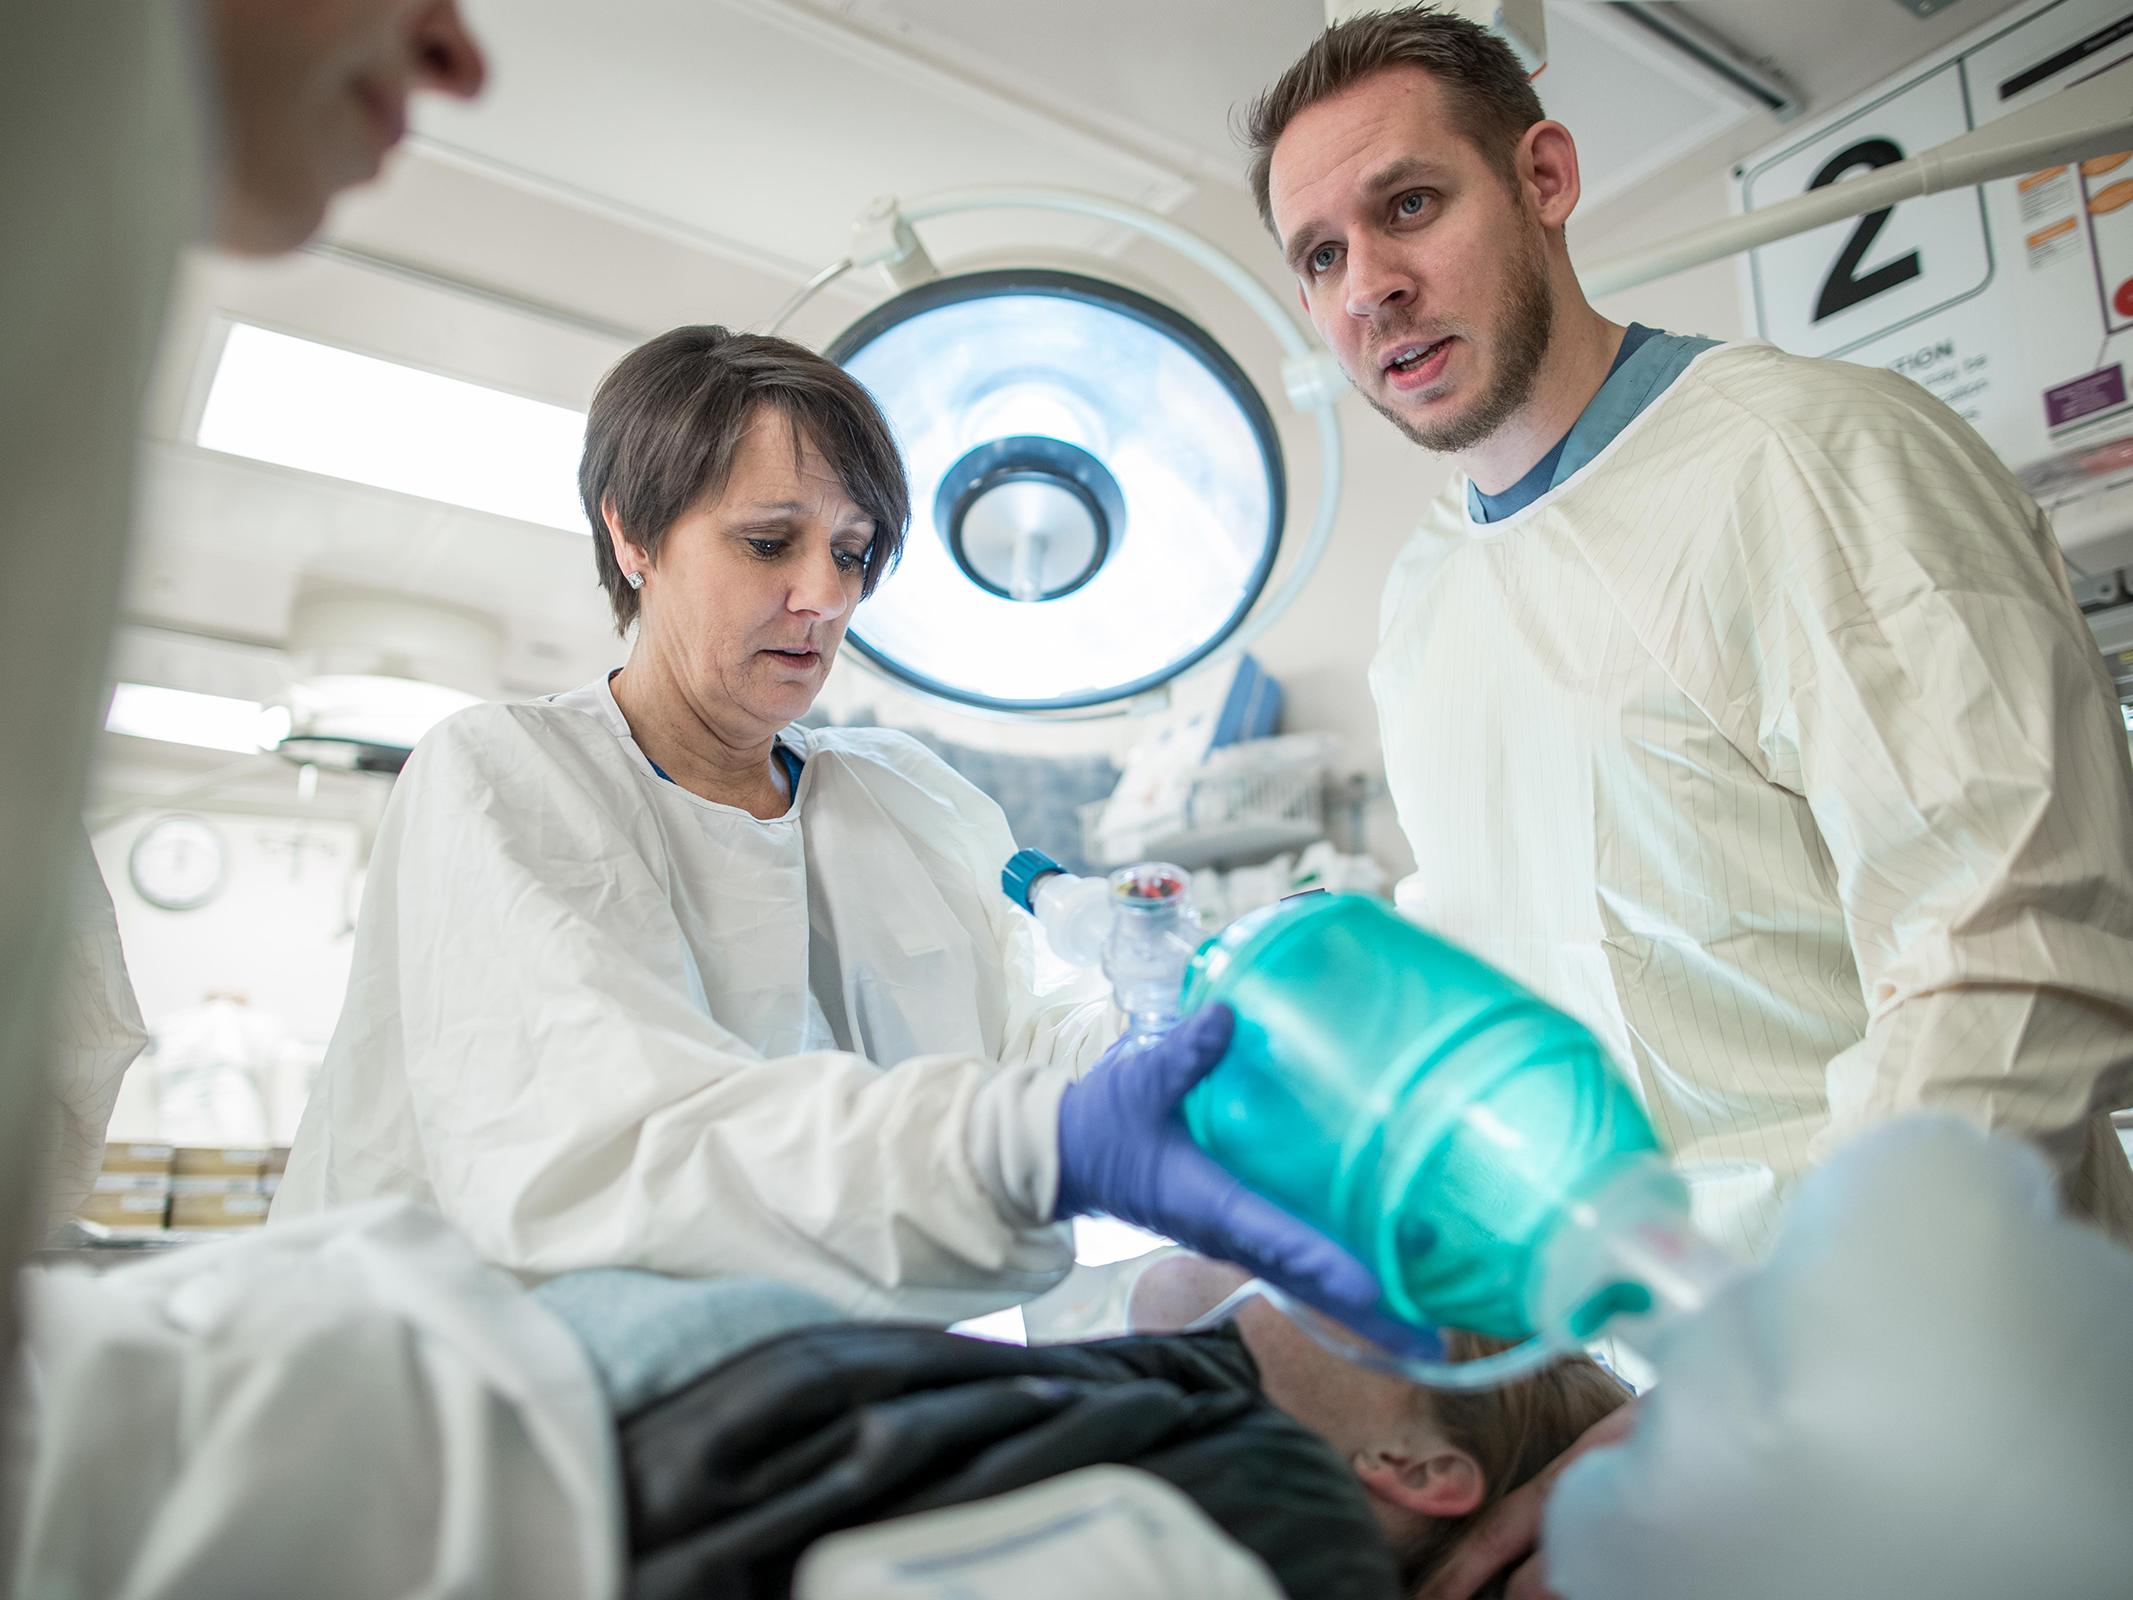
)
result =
(1019, 877)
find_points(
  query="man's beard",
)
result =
(1520, 338)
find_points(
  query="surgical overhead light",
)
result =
(1098, 491)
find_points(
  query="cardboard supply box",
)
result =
(215, 1161)
(217, 1210)
(208, 1169)
(126, 1211)
(132, 1192)
(148, 1187)
(139, 1158)
(132, 1183)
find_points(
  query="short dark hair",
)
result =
(1479, 68)
(667, 420)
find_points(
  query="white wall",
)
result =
(279, 932)
(1704, 300)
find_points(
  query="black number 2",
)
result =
(1845, 287)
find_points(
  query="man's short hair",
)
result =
(1490, 87)
(1513, 1432)
(667, 421)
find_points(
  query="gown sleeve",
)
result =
(577, 1105)
(100, 1032)
(1055, 1013)
(1929, 685)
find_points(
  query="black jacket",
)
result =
(730, 1479)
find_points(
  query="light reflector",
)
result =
(1125, 495)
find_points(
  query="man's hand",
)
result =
(1511, 1528)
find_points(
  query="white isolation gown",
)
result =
(99, 1032)
(1771, 744)
(597, 1021)
(351, 1408)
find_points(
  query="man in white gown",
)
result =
(1736, 702)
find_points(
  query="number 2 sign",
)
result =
(1826, 292)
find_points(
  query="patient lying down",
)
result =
(1430, 1461)
(752, 1422)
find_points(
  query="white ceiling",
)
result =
(644, 162)
(1678, 110)
(761, 128)
(1168, 78)
(1827, 50)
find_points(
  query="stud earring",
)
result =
(634, 579)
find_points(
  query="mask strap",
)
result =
(1488, 1372)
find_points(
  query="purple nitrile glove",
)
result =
(1124, 1152)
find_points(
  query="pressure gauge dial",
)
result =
(177, 863)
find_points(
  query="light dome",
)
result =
(1097, 490)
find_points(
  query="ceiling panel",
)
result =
(1633, 103)
(1179, 72)
(1827, 50)
(1831, 49)
(760, 128)
(758, 124)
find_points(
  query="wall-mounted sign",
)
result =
(2012, 301)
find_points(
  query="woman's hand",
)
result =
(1510, 1529)
(1124, 1152)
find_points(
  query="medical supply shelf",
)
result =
(151, 1193)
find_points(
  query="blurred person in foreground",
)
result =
(356, 1408)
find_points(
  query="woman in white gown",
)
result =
(647, 976)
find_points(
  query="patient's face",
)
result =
(1350, 1407)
